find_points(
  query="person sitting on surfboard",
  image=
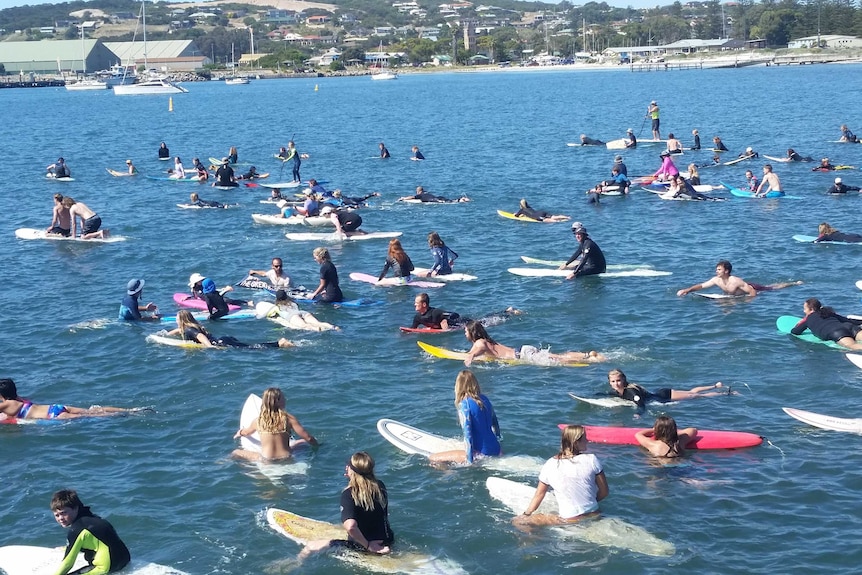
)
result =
(197, 201)
(696, 144)
(617, 179)
(674, 146)
(179, 172)
(61, 219)
(89, 534)
(751, 181)
(840, 187)
(275, 426)
(189, 329)
(217, 305)
(338, 199)
(59, 169)
(384, 153)
(200, 170)
(484, 346)
(417, 155)
(641, 396)
(718, 145)
(232, 155)
(328, 290)
(577, 479)
(130, 308)
(680, 187)
(631, 140)
(847, 135)
(771, 182)
(748, 154)
(13, 406)
(826, 233)
(587, 141)
(225, 176)
(444, 256)
(693, 175)
(592, 260)
(620, 166)
(164, 152)
(664, 439)
(828, 325)
(667, 169)
(432, 317)
(478, 422)
(133, 171)
(733, 285)
(398, 261)
(527, 211)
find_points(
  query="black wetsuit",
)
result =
(164, 152)
(191, 334)
(633, 142)
(384, 153)
(828, 327)
(842, 188)
(373, 524)
(402, 269)
(225, 177)
(426, 197)
(719, 146)
(433, 317)
(840, 237)
(331, 291)
(621, 168)
(533, 213)
(349, 221)
(99, 542)
(640, 395)
(592, 259)
(208, 204)
(696, 145)
(587, 141)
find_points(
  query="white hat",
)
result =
(748, 150)
(195, 278)
(281, 203)
(326, 210)
(837, 180)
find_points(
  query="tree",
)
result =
(774, 26)
(353, 53)
(336, 66)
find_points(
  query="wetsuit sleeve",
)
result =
(467, 426)
(416, 321)
(386, 267)
(800, 327)
(439, 256)
(495, 425)
(584, 253)
(575, 255)
(452, 255)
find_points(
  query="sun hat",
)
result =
(618, 159)
(837, 180)
(134, 286)
(128, 161)
(225, 160)
(748, 150)
(195, 278)
(326, 210)
(630, 131)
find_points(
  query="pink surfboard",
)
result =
(191, 302)
(705, 439)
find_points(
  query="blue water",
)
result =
(165, 479)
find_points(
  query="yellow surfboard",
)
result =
(511, 216)
(443, 353)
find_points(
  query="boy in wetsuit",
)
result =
(432, 317)
(103, 549)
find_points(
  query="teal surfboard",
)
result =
(786, 322)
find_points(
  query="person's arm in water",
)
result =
(479, 348)
(696, 287)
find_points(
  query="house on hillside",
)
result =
(826, 41)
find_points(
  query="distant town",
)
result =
(204, 40)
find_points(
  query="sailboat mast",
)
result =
(144, 23)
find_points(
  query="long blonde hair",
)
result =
(466, 385)
(185, 320)
(569, 439)
(273, 417)
(364, 487)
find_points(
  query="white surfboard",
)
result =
(32, 560)
(34, 234)
(250, 410)
(335, 237)
(606, 401)
(855, 359)
(558, 263)
(272, 470)
(195, 207)
(825, 421)
(279, 185)
(413, 440)
(606, 531)
(64, 179)
(544, 273)
(617, 144)
(391, 282)
(453, 277)
(859, 284)
(277, 220)
(708, 295)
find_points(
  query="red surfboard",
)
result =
(705, 439)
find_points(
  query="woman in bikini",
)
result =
(275, 426)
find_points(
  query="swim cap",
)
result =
(135, 286)
(208, 286)
(837, 180)
(630, 131)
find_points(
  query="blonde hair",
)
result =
(692, 171)
(185, 320)
(825, 228)
(364, 487)
(569, 439)
(273, 417)
(466, 385)
(322, 253)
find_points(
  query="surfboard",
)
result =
(193, 179)
(391, 282)
(787, 322)
(277, 219)
(453, 277)
(444, 353)
(203, 316)
(775, 158)
(195, 207)
(303, 530)
(66, 179)
(542, 272)
(737, 160)
(748, 194)
(511, 216)
(119, 174)
(250, 410)
(416, 441)
(855, 359)
(427, 330)
(173, 341)
(34, 234)
(617, 144)
(190, 301)
(663, 187)
(825, 421)
(360, 302)
(705, 439)
(558, 263)
(32, 560)
(605, 531)
(606, 401)
(718, 295)
(280, 185)
(810, 239)
(335, 237)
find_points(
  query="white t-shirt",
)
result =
(574, 483)
(279, 281)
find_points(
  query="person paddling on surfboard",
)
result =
(197, 201)
(13, 406)
(641, 396)
(88, 534)
(826, 233)
(664, 439)
(189, 329)
(275, 426)
(733, 285)
(587, 141)
(748, 154)
(577, 479)
(527, 211)
(824, 166)
(592, 260)
(839, 187)
(794, 156)
(478, 422)
(432, 317)
(61, 219)
(485, 346)
(829, 326)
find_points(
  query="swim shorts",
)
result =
(91, 224)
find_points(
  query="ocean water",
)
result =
(165, 479)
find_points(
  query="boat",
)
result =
(383, 73)
(234, 80)
(151, 83)
(85, 83)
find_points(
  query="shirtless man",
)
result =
(674, 146)
(90, 221)
(61, 222)
(771, 181)
(733, 285)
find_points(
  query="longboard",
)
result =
(303, 530)
(855, 359)
(511, 216)
(825, 421)
(708, 295)
(390, 282)
(606, 401)
(558, 263)
(203, 316)
(335, 237)
(787, 322)
(606, 531)
(810, 239)
(32, 560)
(64, 179)
(443, 353)
(427, 330)
(705, 439)
(617, 144)
(453, 277)
(280, 185)
(34, 234)
(190, 301)
(194, 180)
(118, 174)
(542, 272)
(173, 341)
(414, 440)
